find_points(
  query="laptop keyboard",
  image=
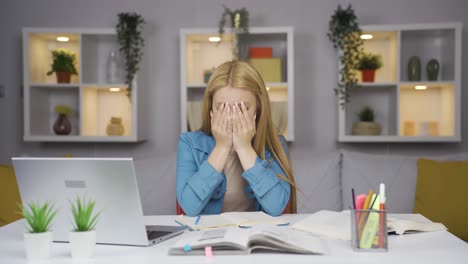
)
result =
(155, 234)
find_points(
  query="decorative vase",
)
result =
(366, 128)
(414, 69)
(367, 75)
(207, 74)
(63, 77)
(115, 127)
(112, 71)
(83, 244)
(432, 69)
(62, 125)
(38, 245)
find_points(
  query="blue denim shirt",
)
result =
(200, 188)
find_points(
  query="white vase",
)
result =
(38, 245)
(83, 244)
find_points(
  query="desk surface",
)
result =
(433, 247)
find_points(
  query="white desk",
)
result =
(434, 247)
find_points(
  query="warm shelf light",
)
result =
(366, 36)
(214, 39)
(268, 88)
(114, 89)
(63, 39)
(420, 87)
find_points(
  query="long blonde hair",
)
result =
(241, 75)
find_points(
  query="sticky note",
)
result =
(208, 251)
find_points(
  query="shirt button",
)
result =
(251, 192)
(218, 192)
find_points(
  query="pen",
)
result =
(382, 208)
(354, 198)
(197, 220)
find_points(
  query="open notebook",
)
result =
(230, 219)
(338, 224)
(239, 241)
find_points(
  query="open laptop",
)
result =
(111, 182)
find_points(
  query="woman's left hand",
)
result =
(243, 127)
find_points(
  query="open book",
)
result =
(338, 224)
(236, 241)
(230, 219)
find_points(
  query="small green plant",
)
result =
(82, 214)
(63, 60)
(63, 109)
(369, 61)
(39, 217)
(239, 19)
(366, 114)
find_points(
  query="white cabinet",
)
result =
(93, 100)
(198, 55)
(410, 110)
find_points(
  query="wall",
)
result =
(315, 64)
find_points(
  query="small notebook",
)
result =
(238, 241)
(230, 219)
(337, 225)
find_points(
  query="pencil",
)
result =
(197, 220)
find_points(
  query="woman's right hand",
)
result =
(221, 126)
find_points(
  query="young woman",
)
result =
(236, 161)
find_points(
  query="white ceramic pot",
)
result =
(38, 245)
(83, 244)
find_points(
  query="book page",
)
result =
(222, 239)
(249, 219)
(285, 239)
(242, 219)
(206, 221)
(404, 225)
(331, 224)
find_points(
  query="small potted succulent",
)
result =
(83, 236)
(62, 125)
(38, 238)
(366, 124)
(63, 64)
(368, 63)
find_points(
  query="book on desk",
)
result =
(243, 241)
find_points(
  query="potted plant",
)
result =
(63, 64)
(368, 64)
(129, 34)
(239, 19)
(83, 236)
(38, 238)
(345, 34)
(366, 124)
(62, 125)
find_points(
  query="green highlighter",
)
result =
(372, 224)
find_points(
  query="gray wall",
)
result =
(315, 75)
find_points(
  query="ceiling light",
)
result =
(366, 36)
(420, 87)
(214, 39)
(63, 39)
(114, 89)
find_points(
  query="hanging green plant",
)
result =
(129, 34)
(345, 34)
(239, 19)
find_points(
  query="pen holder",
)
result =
(369, 230)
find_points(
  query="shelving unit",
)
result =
(410, 111)
(198, 54)
(89, 94)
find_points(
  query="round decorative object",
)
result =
(62, 125)
(414, 69)
(432, 69)
(115, 127)
(366, 128)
